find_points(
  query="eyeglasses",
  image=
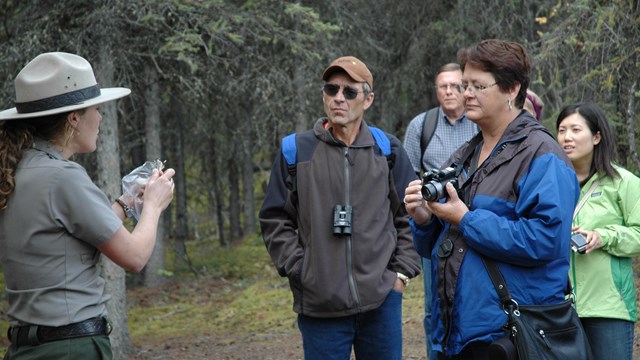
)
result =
(348, 92)
(474, 88)
(454, 87)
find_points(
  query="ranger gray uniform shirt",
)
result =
(49, 232)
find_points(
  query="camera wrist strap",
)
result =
(585, 197)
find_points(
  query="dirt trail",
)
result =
(283, 346)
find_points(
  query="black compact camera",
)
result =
(578, 243)
(434, 182)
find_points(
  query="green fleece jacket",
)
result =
(603, 279)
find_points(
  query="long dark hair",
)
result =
(597, 121)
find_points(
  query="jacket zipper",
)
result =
(347, 195)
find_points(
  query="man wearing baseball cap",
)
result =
(333, 224)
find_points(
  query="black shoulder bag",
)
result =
(537, 331)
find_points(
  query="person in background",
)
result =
(515, 186)
(608, 215)
(338, 230)
(55, 222)
(534, 104)
(452, 129)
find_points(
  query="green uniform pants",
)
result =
(86, 348)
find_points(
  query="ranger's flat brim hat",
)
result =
(56, 83)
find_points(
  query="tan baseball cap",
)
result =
(355, 68)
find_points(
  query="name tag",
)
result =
(596, 194)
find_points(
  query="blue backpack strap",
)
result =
(290, 153)
(289, 150)
(383, 142)
(381, 139)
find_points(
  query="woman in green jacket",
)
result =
(608, 215)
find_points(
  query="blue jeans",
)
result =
(609, 338)
(375, 334)
(426, 275)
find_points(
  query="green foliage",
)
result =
(263, 307)
(245, 294)
(596, 61)
(243, 262)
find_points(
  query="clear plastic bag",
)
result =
(134, 182)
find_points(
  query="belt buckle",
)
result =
(107, 323)
(11, 332)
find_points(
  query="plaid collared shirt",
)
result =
(446, 139)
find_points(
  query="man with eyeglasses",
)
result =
(430, 139)
(333, 223)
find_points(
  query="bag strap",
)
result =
(497, 280)
(501, 285)
(586, 197)
(429, 126)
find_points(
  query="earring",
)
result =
(510, 106)
(69, 136)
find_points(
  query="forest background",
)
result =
(217, 83)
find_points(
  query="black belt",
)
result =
(35, 334)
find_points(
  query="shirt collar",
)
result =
(445, 117)
(47, 147)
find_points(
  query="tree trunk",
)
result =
(153, 149)
(108, 179)
(233, 163)
(182, 224)
(217, 197)
(247, 185)
(300, 78)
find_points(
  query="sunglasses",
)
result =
(348, 92)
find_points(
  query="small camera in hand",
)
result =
(434, 182)
(578, 243)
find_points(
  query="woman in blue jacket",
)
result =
(509, 208)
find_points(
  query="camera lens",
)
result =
(432, 191)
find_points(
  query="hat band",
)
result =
(58, 101)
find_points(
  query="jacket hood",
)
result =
(523, 125)
(363, 139)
